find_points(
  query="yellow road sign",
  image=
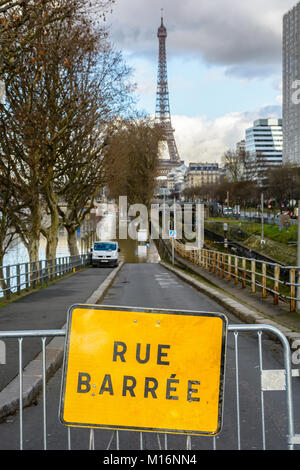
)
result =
(144, 369)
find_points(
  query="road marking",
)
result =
(166, 281)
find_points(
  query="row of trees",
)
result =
(65, 129)
(279, 184)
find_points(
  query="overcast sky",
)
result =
(224, 65)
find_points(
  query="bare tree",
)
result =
(134, 155)
(283, 183)
(42, 109)
(22, 21)
(234, 164)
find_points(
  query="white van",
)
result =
(105, 253)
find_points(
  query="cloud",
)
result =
(201, 140)
(245, 37)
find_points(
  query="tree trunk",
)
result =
(33, 252)
(72, 241)
(52, 235)
(33, 241)
(52, 232)
(2, 277)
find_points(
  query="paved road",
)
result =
(151, 285)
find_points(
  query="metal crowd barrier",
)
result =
(269, 381)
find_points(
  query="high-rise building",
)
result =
(263, 146)
(291, 73)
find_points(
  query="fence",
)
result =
(271, 278)
(267, 380)
(15, 278)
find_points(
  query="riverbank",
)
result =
(277, 243)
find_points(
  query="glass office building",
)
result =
(263, 146)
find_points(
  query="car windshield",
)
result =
(105, 246)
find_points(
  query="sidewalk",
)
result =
(44, 309)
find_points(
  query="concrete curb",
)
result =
(244, 313)
(32, 374)
(102, 289)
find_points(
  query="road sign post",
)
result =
(172, 235)
(144, 370)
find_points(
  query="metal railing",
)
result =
(268, 381)
(272, 279)
(25, 276)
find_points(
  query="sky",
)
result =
(224, 65)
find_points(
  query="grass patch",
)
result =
(273, 232)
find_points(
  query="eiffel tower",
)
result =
(162, 110)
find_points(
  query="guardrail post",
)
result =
(244, 274)
(40, 273)
(253, 273)
(214, 263)
(8, 291)
(26, 276)
(218, 264)
(49, 270)
(264, 280)
(223, 265)
(229, 268)
(236, 270)
(293, 290)
(18, 279)
(206, 260)
(276, 284)
(33, 269)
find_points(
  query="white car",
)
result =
(105, 253)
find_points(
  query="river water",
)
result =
(132, 251)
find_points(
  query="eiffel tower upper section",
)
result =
(162, 111)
